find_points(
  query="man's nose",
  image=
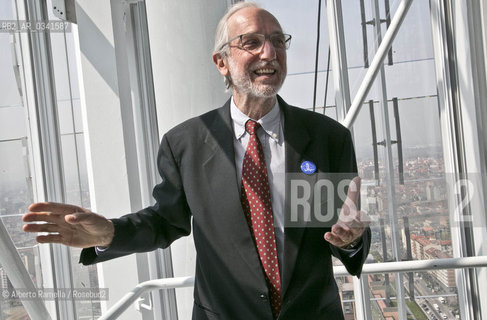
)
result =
(268, 51)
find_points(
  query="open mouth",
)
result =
(265, 71)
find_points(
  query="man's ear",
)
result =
(221, 64)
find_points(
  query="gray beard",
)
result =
(263, 91)
(245, 86)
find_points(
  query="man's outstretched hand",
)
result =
(67, 224)
(351, 221)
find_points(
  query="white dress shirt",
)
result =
(271, 136)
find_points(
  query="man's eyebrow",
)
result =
(259, 32)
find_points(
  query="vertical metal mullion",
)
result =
(50, 145)
(23, 49)
(338, 56)
(409, 257)
(462, 91)
(147, 140)
(400, 161)
(461, 218)
(476, 38)
(361, 292)
(146, 90)
(317, 54)
(388, 23)
(374, 141)
(386, 259)
(389, 167)
(452, 132)
(364, 33)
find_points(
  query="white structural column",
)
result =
(458, 30)
(472, 98)
(104, 133)
(40, 99)
(186, 84)
(338, 56)
(448, 114)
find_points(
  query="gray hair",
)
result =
(221, 35)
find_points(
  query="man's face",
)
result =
(257, 74)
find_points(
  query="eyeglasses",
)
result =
(254, 42)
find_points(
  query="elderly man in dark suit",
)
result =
(227, 171)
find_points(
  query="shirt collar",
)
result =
(271, 122)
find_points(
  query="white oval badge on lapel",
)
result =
(308, 167)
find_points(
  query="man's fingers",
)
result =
(41, 227)
(334, 239)
(71, 218)
(340, 230)
(50, 238)
(40, 217)
(354, 190)
(55, 208)
(358, 220)
(77, 217)
(50, 212)
(39, 206)
(350, 224)
(343, 232)
(354, 223)
(350, 205)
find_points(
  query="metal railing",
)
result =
(387, 267)
(13, 265)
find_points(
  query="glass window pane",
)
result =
(73, 155)
(421, 219)
(15, 176)
(15, 173)
(417, 189)
(298, 89)
(431, 299)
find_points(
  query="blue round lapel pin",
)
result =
(308, 167)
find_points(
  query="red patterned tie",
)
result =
(256, 201)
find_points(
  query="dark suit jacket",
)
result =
(199, 181)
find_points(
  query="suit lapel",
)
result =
(219, 167)
(297, 139)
